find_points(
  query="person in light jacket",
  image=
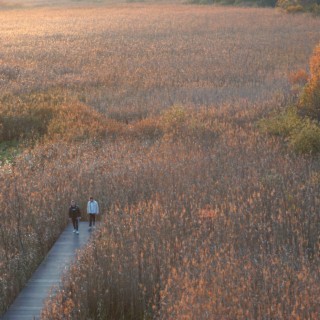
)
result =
(92, 210)
(74, 215)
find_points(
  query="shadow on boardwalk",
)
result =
(29, 302)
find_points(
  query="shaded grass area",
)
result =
(8, 151)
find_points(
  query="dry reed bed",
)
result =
(125, 59)
(255, 256)
(157, 254)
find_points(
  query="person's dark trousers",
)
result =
(75, 223)
(92, 219)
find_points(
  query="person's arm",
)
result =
(88, 207)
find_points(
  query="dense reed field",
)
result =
(154, 110)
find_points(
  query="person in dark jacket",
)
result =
(75, 215)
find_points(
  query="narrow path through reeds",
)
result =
(29, 302)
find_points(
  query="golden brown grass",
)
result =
(203, 216)
(127, 59)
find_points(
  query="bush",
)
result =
(307, 139)
(179, 123)
(303, 135)
(309, 104)
(316, 9)
(283, 124)
(174, 121)
(296, 6)
(300, 124)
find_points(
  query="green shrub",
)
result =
(8, 151)
(300, 124)
(307, 139)
(302, 134)
(283, 124)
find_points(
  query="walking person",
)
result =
(75, 215)
(92, 210)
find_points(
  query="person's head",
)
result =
(73, 203)
(91, 198)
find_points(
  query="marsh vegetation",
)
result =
(156, 110)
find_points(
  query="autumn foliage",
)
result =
(310, 100)
(298, 124)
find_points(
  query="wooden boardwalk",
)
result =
(29, 302)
